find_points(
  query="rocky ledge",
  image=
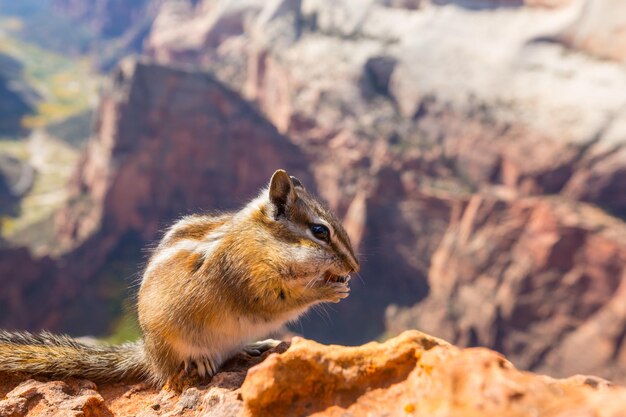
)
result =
(411, 375)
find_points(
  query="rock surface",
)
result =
(411, 375)
(117, 27)
(538, 278)
(600, 30)
(109, 18)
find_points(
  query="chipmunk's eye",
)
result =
(321, 232)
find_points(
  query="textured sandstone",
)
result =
(311, 377)
(74, 398)
(540, 279)
(416, 375)
(21, 396)
(599, 30)
(411, 375)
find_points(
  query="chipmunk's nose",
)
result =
(354, 264)
(346, 267)
(349, 261)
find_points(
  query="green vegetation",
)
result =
(16, 149)
(54, 162)
(126, 329)
(66, 86)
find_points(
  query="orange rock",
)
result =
(415, 375)
(411, 375)
(73, 397)
(21, 396)
(311, 377)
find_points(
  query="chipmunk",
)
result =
(213, 284)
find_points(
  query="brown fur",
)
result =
(61, 356)
(194, 227)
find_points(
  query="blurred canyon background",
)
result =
(475, 149)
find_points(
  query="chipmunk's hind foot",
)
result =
(204, 367)
(193, 372)
(260, 347)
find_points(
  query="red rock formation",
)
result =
(35, 398)
(169, 142)
(491, 121)
(23, 282)
(413, 374)
(540, 279)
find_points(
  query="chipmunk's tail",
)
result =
(62, 356)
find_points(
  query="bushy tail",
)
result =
(62, 356)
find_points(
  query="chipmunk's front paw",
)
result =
(336, 291)
(260, 347)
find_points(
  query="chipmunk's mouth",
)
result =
(329, 277)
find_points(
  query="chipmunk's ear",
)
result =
(282, 191)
